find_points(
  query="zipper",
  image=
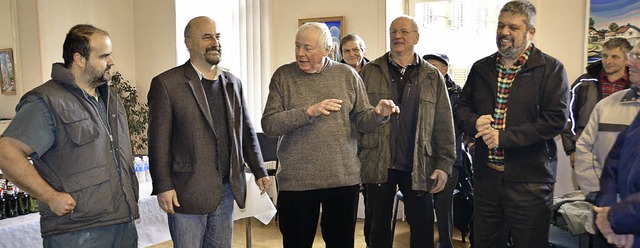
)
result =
(115, 158)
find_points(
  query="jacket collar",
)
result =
(63, 76)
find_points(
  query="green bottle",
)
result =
(33, 204)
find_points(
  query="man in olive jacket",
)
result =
(416, 149)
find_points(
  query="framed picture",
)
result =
(7, 72)
(336, 27)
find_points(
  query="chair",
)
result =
(399, 197)
(268, 148)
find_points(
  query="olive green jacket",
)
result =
(434, 139)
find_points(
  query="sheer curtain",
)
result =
(255, 43)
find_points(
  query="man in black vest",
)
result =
(75, 130)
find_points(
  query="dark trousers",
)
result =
(367, 219)
(443, 202)
(521, 209)
(299, 211)
(418, 206)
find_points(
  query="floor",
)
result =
(267, 236)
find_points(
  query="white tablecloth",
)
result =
(24, 231)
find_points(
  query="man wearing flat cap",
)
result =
(443, 201)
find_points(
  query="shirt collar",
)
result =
(218, 69)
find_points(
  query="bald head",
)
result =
(203, 41)
(197, 22)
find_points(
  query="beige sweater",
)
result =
(319, 152)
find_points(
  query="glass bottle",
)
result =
(23, 203)
(3, 205)
(12, 200)
(33, 204)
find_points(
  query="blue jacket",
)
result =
(621, 179)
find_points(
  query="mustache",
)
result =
(504, 36)
(216, 49)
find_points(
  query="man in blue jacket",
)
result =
(514, 103)
(618, 221)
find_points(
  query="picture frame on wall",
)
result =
(7, 72)
(336, 27)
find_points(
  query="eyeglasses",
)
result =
(354, 50)
(634, 57)
(402, 32)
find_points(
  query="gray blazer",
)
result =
(181, 140)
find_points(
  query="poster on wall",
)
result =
(609, 19)
(7, 72)
(336, 27)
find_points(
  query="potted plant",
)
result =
(137, 113)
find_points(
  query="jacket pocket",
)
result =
(182, 167)
(91, 189)
(79, 127)
(369, 140)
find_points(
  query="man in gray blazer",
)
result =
(200, 137)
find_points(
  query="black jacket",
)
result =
(536, 112)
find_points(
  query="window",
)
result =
(464, 30)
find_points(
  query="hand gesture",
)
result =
(602, 222)
(263, 184)
(324, 107)
(440, 178)
(489, 135)
(168, 199)
(387, 107)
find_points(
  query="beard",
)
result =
(513, 51)
(96, 77)
(213, 59)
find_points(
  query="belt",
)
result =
(498, 167)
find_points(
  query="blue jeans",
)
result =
(118, 235)
(207, 230)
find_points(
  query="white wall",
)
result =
(7, 40)
(561, 32)
(364, 17)
(154, 29)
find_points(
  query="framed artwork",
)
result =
(7, 72)
(336, 27)
(611, 19)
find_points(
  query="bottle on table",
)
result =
(11, 199)
(23, 203)
(33, 204)
(3, 205)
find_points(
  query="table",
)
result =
(24, 231)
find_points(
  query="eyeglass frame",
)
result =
(634, 57)
(403, 32)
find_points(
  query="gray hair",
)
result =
(325, 35)
(352, 37)
(522, 7)
(616, 42)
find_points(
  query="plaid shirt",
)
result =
(505, 78)
(609, 87)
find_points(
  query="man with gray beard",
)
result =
(200, 137)
(515, 102)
